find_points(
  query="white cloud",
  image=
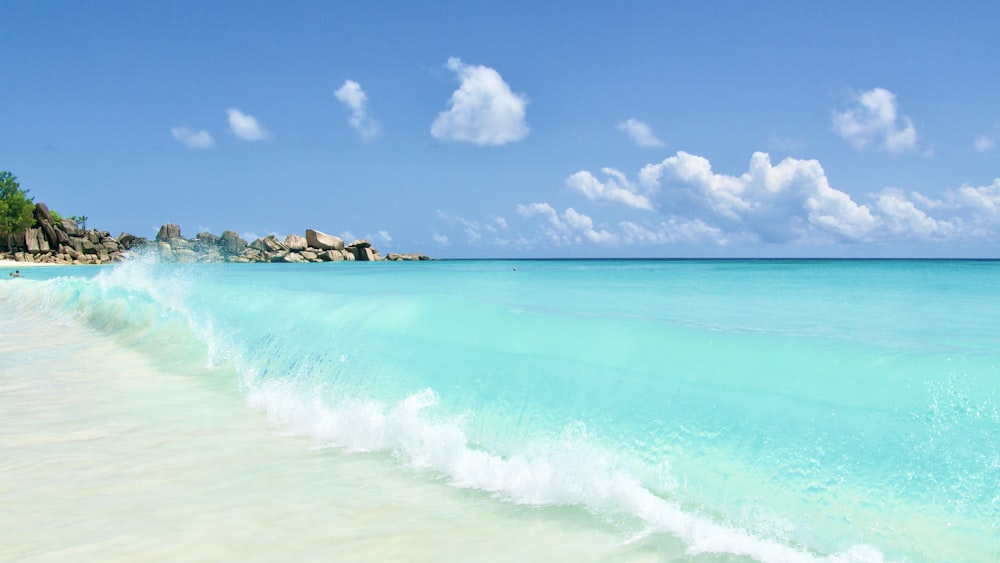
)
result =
(672, 231)
(874, 122)
(617, 188)
(790, 201)
(983, 202)
(352, 96)
(440, 239)
(572, 227)
(543, 209)
(246, 126)
(964, 213)
(640, 133)
(193, 139)
(983, 143)
(483, 110)
(903, 219)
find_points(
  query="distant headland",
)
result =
(64, 242)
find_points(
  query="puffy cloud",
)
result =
(964, 213)
(571, 227)
(901, 217)
(483, 110)
(193, 139)
(617, 188)
(640, 133)
(543, 209)
(440, 239)
(874, 121)
(982, 202)
(790, 201)
(246, 127)
(352, 96)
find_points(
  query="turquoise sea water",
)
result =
(770, 410)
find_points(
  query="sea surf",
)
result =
(690, 410)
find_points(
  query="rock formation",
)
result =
(64, 243)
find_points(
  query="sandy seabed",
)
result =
(104, 456)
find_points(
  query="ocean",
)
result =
(493, 410)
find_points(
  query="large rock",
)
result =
(31, 241)
(205, 242)
(69, 225)
(128, 241)
(230, 243)
(414, 256)
(41, 213)
(323, 241)
(288, 257)
(167, 232)
(332, 256)
(268, 244)
(44, 219)
(296, 243)
(363, 253)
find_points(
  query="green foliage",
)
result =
(56, 217)
(15, 207)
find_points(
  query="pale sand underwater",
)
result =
(106, 457)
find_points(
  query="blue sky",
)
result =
(507, 129)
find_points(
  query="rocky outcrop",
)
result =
(323, 241)
(63, 242)
(315, 246)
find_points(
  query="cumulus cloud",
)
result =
(616, 188)
(964, 213)
(570, 227)
(792, 200)
(352, 96)
(246, 126)
(440, 239)
(640, 133)
(874, 122)
(192, 139)
(902, 219)
(483, 110)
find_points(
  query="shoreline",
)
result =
(4, 263)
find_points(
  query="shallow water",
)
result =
(591, 410)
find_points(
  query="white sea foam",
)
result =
(571, 473)
(316, 365)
